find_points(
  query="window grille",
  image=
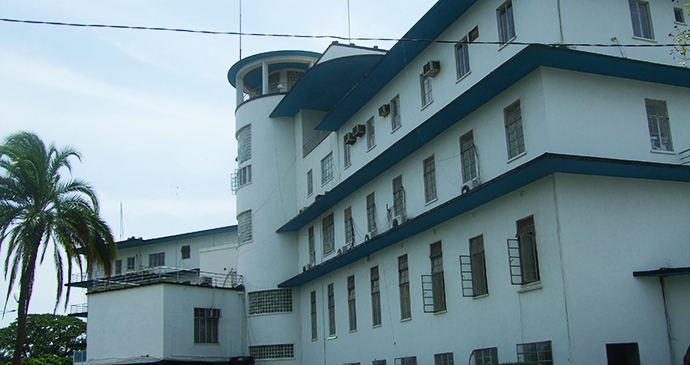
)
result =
(443, 359)
(244, 144)
(270, 301)
(522, 254)
(293, 77)
(659, 126)
(538, 353)
(375, 297)
(468, 157)
(462, 57)
(506, 24)
(312, 245)
(331, 310)
(328, 233)
(185, 252)
(396, 119)
(206, 325)
(371, 134)
(427, 96)
(437, 279)
(327, 169)
(157, 259)
(412, 360)
(513, 125)
(641, 19)
(314, 332)
(473, 269)
(351, 303)
(398, 198)
(310, 182)
(404, 287)
(269, 352)
(371, 213)
(485, 356)
(244, 226)
(349, 227)
(273, 81)
(429, 179)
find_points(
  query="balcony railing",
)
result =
(159, 274)
(685, 157)
(78, 308)
(312, 143)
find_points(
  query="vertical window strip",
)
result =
(349, 227)
(331, 310)
(244, 144)
(327, 168)
(375, 296)
(371, 214)
(244, 226)
(396, 119)
(438, 283)
(659, 126)
(310, 182)
(427, 96)
(351, 303)
(506, 24)
(527, 241)
(468, 157)
(429, 179)
(314, 333)
(347, 154)
(462, 57)
(404, 287)
(641, 19)
(478, 264)
(398, 197)
(327, 233)
(312, 245)
(514, 135)
(371, 134)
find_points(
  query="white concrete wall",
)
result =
(219, 259)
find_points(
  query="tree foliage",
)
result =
(681, 37)
(50, 339)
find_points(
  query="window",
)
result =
(641, 19)
(244, 227)
(371, 134)
(375, 297)
(514, 138)
(157, 259)
(206, 325)
(538, 353)
(429, 179)
(371, 214)
(331, 310)
(474, 34)
(118, 267)
(185, 252)
(312, 245)
(293, 77)
(486, 356)
(398, 198)
(270, 301)
(522, 253)
(351, 303)
(266, 352)
(462, 58)
(349, 227)
(347, 154)
(310, 182)
(396, 119)
(404, 287)
(412, 360)
(378, 362)
(427, 96)
(244, 175)
(327, 169)
(312, 298)
(273, 81)
(679, 15)
(327, 234)
(131, 263)
(473, 269)
(659, 127)
(468, 157)
(437, 281)
(79, 356)
(506, 25)
(443, 359)
(244, 144)
(624, 353)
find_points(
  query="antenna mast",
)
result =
(122, 227)
(241, 28)
(349, 38)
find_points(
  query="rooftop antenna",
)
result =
(349, 38)
(122, 227)
(241, 29)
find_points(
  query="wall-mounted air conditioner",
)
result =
(431, 68)
(359, 130)
(398, 220)
(470, 185)
(384, 110)
(349, 138)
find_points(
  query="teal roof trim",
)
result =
(138, 242)
(515, 179)
(232, 73)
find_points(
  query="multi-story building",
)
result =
(506, 183)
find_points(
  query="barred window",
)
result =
(273, 81)
(244, 176)
(537, 352)
(310, 182)
(293, 77)
(468, 157)
(514, 135)
(327, 169)
(244, 227)
(185, 252)
(429, 179)
(398, 197)
(206, 325)
(371, 134)
(244, 144)
(375, 297)
(312, 299)
(485, 356)
(266, 352)
(371, 213)
(404, 287)
(131, 263)
(438, 283)
(349, 227)
(412, 360)
(347, 155)
(396, 119)
(331, 310)
(157, 259)
(312, 245)
(270, 301)
(328, 233)
(351, 303)
(443, 359)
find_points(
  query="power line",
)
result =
(334, 37)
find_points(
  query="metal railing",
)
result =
(78, 308)
(160, 274)
(314, 141)
(685, 157)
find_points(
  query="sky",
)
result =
(152, 112)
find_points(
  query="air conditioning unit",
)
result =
(318, 197)
(431, 68)
(398, 220)
(470, 185)
(305, 268)
(384, 110)
(349, 138)
(359, 130)
(340, 251)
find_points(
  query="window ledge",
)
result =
(371, 148)
(377, 326)
(406, 319)
(480, 296)
(516, 156)
(463, 76)
(651, 40)
(441, 312)
(680, 23)
(506, 43)
(530, 287)
(314, 339)
(432, 201)
(662, 152)
(332, 337)
(348, 166)
(328, 253)
(427, 105)
(396, 128)
(326, 182)
(353, 331)
(244, 242)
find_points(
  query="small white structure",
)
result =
(507, 183)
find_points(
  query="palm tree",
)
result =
(40, 213)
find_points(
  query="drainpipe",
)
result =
(560, 21)
(669, 329)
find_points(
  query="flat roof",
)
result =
(137, 242)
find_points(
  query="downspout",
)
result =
(669, 329)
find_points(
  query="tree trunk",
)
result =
(24, 297)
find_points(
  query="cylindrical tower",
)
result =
(265, 189)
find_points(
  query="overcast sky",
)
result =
(152, 112)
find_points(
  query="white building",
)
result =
(505, 192)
